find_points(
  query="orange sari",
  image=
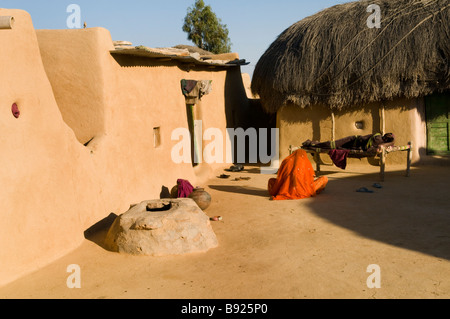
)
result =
(295, 179)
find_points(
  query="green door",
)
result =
(438, 124)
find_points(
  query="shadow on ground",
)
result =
(408, 212)
(253, 191)
(97, 232)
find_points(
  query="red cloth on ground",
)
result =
(295, 179)
(184, 188)
(15, 110)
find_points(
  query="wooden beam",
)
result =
(333, 132)
(409, 160)
(383, 120)
(382, 163)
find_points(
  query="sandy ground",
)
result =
(305, 249)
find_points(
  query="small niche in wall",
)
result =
(156, 137)
(359, 125)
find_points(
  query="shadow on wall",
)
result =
(361, 120)
(355, 120)
(242, 112)
(145, 62)
(136, 61)
(409, 213)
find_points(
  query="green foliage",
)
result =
(205, 30)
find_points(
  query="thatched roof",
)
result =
(334, 58)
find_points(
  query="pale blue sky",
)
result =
(253, 24)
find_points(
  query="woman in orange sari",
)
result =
(296, 179)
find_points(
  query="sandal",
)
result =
(235, 168)
(242, 178)
(364, 190)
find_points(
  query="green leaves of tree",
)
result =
(205, 30)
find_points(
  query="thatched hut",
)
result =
(332, 75)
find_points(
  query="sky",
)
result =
(253, 24)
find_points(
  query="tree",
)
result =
(205, 29)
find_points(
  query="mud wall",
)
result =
(51, 189)
(84, 144)
(403, 117)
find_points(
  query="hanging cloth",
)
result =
(205, 88)
(184, 188)
(187, 86)
(195, 90)
(339, 157)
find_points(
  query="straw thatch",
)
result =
(334, 58)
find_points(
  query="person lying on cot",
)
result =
(368, 143)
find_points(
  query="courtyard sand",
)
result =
(312, 248)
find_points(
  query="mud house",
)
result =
(333, 75)
(86, 131)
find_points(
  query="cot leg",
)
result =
(317, 160)
(382, 164)
(409, 160)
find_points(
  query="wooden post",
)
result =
(191, 126)
(317, 159)
(382, 163)
(333, 127)
(383, 120)
(409, 160)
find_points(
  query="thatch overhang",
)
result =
(333, 58)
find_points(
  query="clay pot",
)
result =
(201, 197)
(174, 192)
